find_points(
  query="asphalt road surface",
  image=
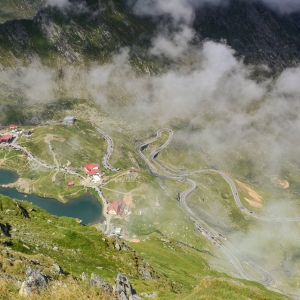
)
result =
(109, 151)
(236, 258)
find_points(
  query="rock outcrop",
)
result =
(57, 269)
(124, 289)
(5, 228)
(100, 283)
(35, 280)
(146, 275)
(121, 291)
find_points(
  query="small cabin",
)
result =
(69, 120)
(27, 132)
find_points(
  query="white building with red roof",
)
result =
(93, 169)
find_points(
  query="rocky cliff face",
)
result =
(84, 32)
(94, 31)
(257, 33)
(19, 9)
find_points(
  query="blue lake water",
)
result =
(86, 208)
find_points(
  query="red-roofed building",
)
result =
(92, 169)
(94, 172)
(13, 126)
(71, 183)
(7, 138)
(116, 208)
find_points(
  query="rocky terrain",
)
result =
(223, 78)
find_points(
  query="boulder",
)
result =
(57, 269)
(146, 275)
(117, 246)
(100, 283)
(124, 289)
(35, 280)
(5, 228)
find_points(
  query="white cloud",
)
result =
(59, 3)
(180, 11)
(289, 82)
(35, 82)
(172, 44)
(283, 6)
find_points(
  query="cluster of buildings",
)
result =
(8, 137)
(94, 172)
(117, 208)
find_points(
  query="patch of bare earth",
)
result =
(256, 200)
(23, 185)
(2, 160)
(134, 241)
(128, 200)
(54, 177)
(283, 183)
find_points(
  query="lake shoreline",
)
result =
(85, 207)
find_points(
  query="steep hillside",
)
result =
(257, 33)
(87, 31)
(64, 250)
(19, 9)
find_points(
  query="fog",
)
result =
(285, 7)
(214, 93)
(59, 3)
(183, 9)
(208, 95)
(35, 82)
(206, 87)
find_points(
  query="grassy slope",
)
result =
(76, 145)
(186, 268)
(178, 268)
(168, 218)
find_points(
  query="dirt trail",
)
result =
(54, 177)
(47, 139)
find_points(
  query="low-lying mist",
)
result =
(247, 122)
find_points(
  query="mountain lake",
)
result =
(86, 208)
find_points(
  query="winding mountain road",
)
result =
(110, 148)
(177, 176)
(233, 254)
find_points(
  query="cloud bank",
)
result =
(183, 10)
(59, 3)
(285, 7)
